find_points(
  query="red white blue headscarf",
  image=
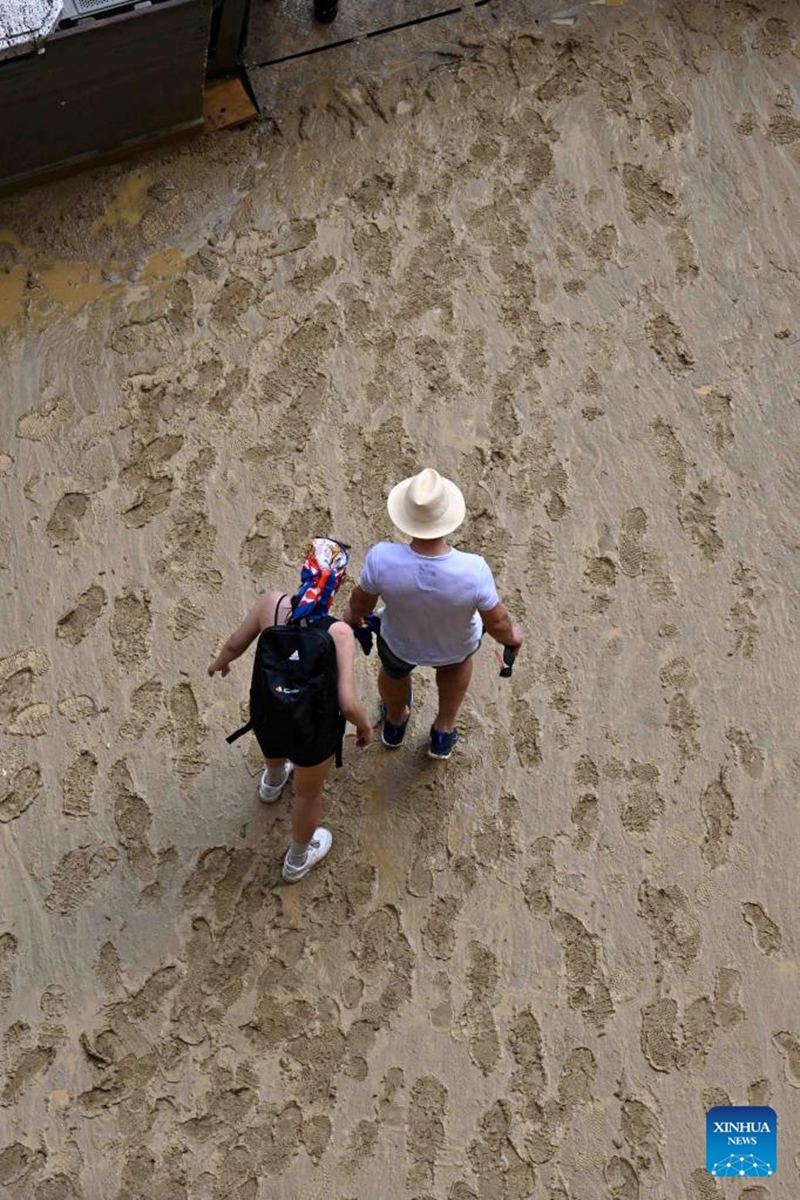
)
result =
(322, 572)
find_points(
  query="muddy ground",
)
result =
(563, 268)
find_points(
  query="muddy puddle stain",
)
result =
(75, 284)
(165, 264)
(128, 207)
(12, 293)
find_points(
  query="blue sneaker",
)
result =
(393, 735)
(442, 743)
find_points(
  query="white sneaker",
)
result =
(269, 792)
(318, 847)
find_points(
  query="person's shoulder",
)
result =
(476, 562)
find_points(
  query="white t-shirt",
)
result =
(432, 604)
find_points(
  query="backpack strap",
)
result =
(277, 607)
(234, 737)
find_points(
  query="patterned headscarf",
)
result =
(321, 574)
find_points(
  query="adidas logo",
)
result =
(294, 656)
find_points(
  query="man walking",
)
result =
(438, 601)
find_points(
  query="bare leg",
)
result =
(394, 694)
(452, 683)
(276, 768)
(307, 810)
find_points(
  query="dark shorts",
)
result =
(398, 668)
(395, 668)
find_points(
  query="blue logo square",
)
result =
(741, 1140)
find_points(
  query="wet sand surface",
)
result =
(562, 268)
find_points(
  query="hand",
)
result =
(216, 665)
(363, 735)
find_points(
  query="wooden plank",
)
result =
(227, 105)
(228, 33)
(280, 28)
(90, 161)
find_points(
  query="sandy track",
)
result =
(564, 271)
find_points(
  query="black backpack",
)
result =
(294, 700)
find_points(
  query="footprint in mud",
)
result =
(439, 928)
(647, 197)
(18, 790)
(673, 926)
(64, 527)
(46, 420)
(697, 513)
(538, 885)
(601, 571)
(132, 818)
(728, 1010)
(587, 988)
(748, 754)
(130, 629)
(145, 702)
(185, 618)
(360, 1043)
(525, 732)
(425, 1129)
(482, 980)
(187, 732)
(671, 452)
(703, 1187)
(495, 840)
(585, 816)
(677, 678)
(16, 694)
(684, 253)
(668, 1045)
(643, 1135)
(631, 551)
(386, 962)
(788, 1044)
(575, 1082)
(719, 814)
(361, 1145)
(9, 949)
(84, 614)
(75, 875)
(621, 1179)
(493, 1156)
(766, 934)
(78, 784)
(743, 620)
(666, 340)
(717, 410)
(30, 1063)
(759, 1092)
(78, 708)
(643, 804)
(190, 549)
(152, 500)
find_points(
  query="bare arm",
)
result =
(498, 624)
(361, 604)
(349, 704)
(260, 616)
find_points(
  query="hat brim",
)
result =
(402, 519)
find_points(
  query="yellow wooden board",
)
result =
(227, 105)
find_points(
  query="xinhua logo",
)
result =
(741, 1141)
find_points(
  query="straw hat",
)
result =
(426, 505)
